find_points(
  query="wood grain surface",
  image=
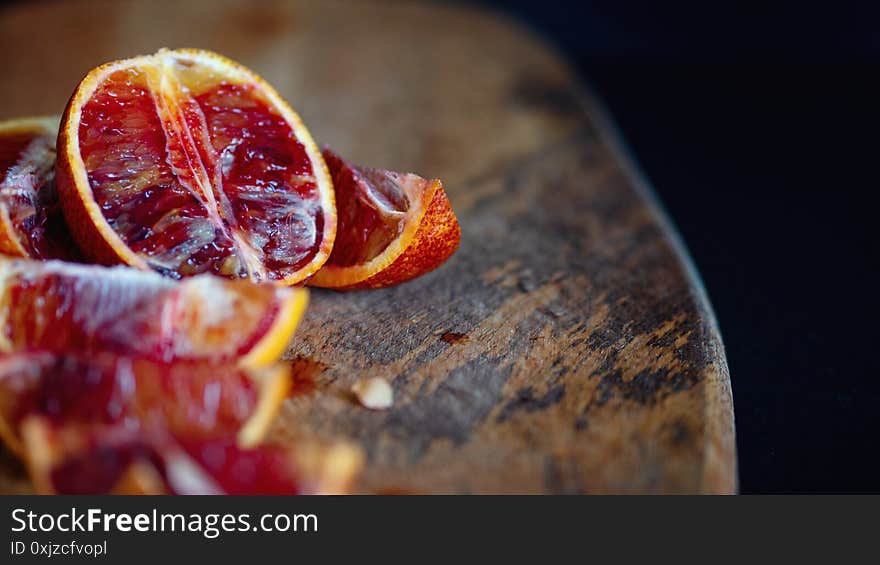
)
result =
(566, 348)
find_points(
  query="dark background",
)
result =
(756, 124)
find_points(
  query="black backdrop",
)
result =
(756, 123)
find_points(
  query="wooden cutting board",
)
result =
(568, 346)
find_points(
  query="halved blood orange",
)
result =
(393, 227)
(193, 398)
(31, 224)
(69, 308)
(186, 162)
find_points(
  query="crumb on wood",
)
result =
(374, 393)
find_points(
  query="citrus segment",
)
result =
(77, 459)
(260, 470)
(194, 398)
(188, 163)
(61, 307)
(112, 459)
(31, 224)
(393, 227)
(100, 468)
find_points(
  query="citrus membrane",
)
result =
(63, 307)
(192, 397)
(31, 224)
(186, 162)
(393, 227)
(96, 459)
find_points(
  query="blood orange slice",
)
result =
(116, 460)
(31, 224)
(186, 163)
(265, 469)
(88, 459)
(393, 227)
(127, 425)
(62, 307)
(198, 399)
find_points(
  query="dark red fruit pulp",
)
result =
(11, 148)
(369, 207)
(18, 192)
(27, 192)
(91, 309)
(100, 469)
(262, 470)
(69, 313)
(267, 176)
(192, 398)
(123, 146)
(216, 182)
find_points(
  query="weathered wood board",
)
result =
(566, 348)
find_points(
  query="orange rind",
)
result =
(393, 227)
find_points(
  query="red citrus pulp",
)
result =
(67, 308)
(31, 224)
(393, 227)
(186, 162)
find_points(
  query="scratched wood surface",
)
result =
(566, 347)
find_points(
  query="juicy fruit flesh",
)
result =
(392, 227)
(28, 199)
(227, 467)
(261, 470)
(105, 413)
(196, 174)
(13, 146)
(370, 211)
(99, 469)
(131, 371)
(195, 398)
(63, 308)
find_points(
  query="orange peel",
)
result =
(393, 227)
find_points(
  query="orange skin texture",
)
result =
(436, 239)
(9, 244)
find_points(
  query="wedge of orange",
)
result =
(88, 459)
(31, 224)
(69, 308)
(393, 227)
(186, 162)
(195, 398)
(102, 459)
